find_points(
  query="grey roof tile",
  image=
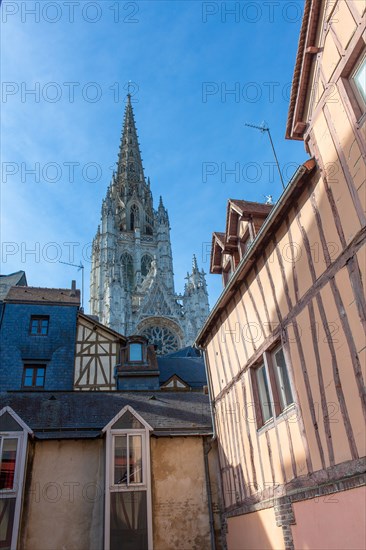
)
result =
(59, 413)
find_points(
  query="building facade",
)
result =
(103, 441)
(37, 338)
(285, 344)
(132, 280)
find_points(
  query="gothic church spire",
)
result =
(130, 169)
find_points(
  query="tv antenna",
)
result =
(80, 267)
(263, 128)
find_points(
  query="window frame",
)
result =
(273, 382)
(39, 319)
(35, 367)
(111, 487)
(17, 490)
(355, 103)
(142, 352)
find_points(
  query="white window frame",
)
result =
(279, 381)
(359, 95)
(20, 461)
(274, 386)
(111, 487)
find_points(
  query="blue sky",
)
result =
(183, 59)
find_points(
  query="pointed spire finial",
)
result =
(194, 263)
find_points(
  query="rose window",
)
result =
(163, 338)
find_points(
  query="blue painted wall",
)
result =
(56, 350)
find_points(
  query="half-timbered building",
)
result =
(285, 343)
(100, 439)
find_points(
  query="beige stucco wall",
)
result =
(256, 531)
(64, 496)
(332, 521)
(180, 511)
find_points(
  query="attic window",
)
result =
(128, 519)
(135, 352)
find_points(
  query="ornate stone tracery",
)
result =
(132, 281)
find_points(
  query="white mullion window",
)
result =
(13, 450)
(128, 520)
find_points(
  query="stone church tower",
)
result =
(132, 281)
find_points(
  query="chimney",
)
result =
(73, 288)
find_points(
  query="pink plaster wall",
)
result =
(255, 531)
(333, 522)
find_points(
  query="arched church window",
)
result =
(127, 271)
(134, 217)
(145, 265)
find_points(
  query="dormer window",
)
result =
(128, 518)
(135, 352)
(13, 451)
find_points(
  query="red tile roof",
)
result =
(249, 207)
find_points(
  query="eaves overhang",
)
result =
(275, 217)
(306, 51)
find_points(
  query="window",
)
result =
(282, 379)
(39, 325)
(34, 376)
(127, 271)
(146, 261)
(128, 519)
(271, 386)
(13, 450)
(358, 82)
(7, 463)
(134, 217)
(128, 459)
(135, 352)
(353, 83)
(264, 397)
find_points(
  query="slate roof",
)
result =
(189, 369)
(61, 296)
(60, 415)
(13, 279)
(188, 351)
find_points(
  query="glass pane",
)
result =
(7, 468)
(44, 326)
(40, 377)
(283, 379)
(360, 79)
(135, 352)
(264, 393)
(9, 424)
(120, 460)
(135, 458)
(28, 377)
(34, 326)
(128, 422)
(128, 521)
(7, 507)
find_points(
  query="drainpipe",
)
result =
(208, 377)
(206, 450)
